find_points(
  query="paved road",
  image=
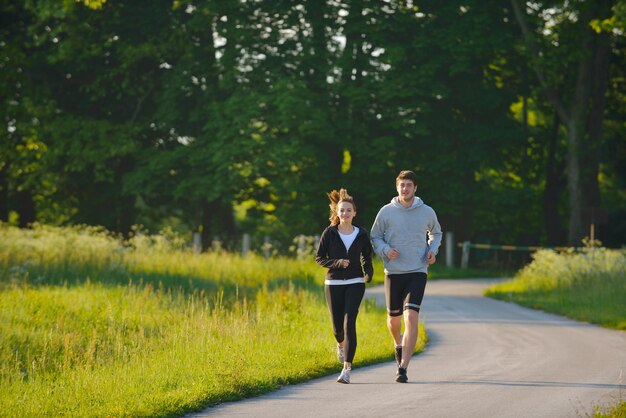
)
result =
(485, 359)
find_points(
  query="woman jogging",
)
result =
(346, 251)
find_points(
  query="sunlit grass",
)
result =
(53, 255)
(616, 411)
(93, 326)
(588, 286)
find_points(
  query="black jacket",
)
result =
(331, 250)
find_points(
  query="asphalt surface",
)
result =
(485, 358)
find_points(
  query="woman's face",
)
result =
(345, 212)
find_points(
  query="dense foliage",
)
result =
(225, 117)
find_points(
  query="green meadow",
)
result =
(587, 286)
(92, 325)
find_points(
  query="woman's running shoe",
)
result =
(340, 354)
(344, 377)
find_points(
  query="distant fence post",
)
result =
(301, 244)
(197, 242)
(465, 255)
(216, 244)
(267, 245)
(449, 239)
(246, 245)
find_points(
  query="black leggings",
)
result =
(343, 303)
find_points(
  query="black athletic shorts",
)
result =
(404, 291)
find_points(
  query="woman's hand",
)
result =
(345, 263)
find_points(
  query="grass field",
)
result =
(93, 326)
(587, 286)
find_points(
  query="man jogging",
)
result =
(406, 235)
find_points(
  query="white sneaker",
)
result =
(340, 354)
(344, 377)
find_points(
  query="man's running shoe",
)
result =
(398, 354)
(344, 377)
(401, 375)
(340, 354)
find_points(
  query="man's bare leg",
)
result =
(394, 325)
(411, 320)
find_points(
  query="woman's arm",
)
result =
(321, 258)
(366, 259)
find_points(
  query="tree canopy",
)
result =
(224, 117)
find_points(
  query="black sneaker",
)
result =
(398, 354)
(401, 375)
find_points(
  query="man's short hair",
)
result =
(407, 175)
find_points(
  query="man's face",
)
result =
(406, 189)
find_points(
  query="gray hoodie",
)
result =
(406, 230)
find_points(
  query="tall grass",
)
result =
(588, 286)
(614, 411)
(94, 326)
(52, 255)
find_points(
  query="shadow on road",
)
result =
(520, 384)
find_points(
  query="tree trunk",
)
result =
(25, 208)
(590, 157)
(573, 185)
(351, 122)
(126, 215)
(553, 189)
(585, 125)
(4, 194)
(315, 66)
(207, 233)
(578, 118)
(317, 61)
(217, 221)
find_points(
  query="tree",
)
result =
(583, 116)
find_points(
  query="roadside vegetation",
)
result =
(615, 411)
(587, 286)
(91, 325)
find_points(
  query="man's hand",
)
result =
(368, 278)
(393, 254)
(431, 258)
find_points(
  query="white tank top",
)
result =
(348, 239)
